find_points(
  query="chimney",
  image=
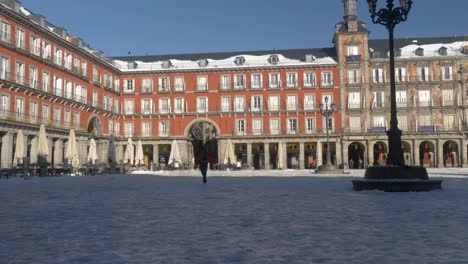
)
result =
(16, 6)
(41, 20)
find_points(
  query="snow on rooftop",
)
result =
(24, 11)
(432, 50)
(250, 61)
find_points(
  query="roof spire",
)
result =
(350, 10)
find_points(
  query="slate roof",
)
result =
(297, 54)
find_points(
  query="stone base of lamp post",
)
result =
(328, 169)
(396, 179)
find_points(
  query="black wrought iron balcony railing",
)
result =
(353, 58)
(35, 119)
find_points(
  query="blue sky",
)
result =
(191, 26)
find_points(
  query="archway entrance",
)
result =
(95, 127)
(426, 154)
(407, 153)
(356, 155)
(451, 158)
(203, 135)
(380, 153)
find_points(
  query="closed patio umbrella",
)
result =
(129, 152)
(42, 146)
(92, 152)
(72, 150)
(174, 156)
(19, 150)
(139, 157)
(229, 155)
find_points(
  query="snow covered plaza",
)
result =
(287, 216)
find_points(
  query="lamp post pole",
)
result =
(390, 17)
(327, 112)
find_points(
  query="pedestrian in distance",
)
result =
(203, 166)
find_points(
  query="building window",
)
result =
(164, 85)
(274, 126)
(68, 89)
(76, 118)
(95, 75)
(256, 103)
(58, 85)
(146, 85)
(84, 68)
(379, 121)
(46, 113)
(146, 129)
(327, 79)
(292, 125)
(354, 99)
(179, 84)
(239, 81)
(147, 106)
(46, 51)
(446, 73)
(128, 107)
(423, 74)
(111, 127)
(35, 45)
(163, 128)
(310, 125)
(401, 99)
(225, 82)
(202, 83)
(20, 72)
(46, 81)
(129, 85)
(291, 80)
(239, 104)
(424, 98)
(378, 75)
(178, 105)
(95, 98)
(202, 104)
(19, 107)
(325, 102)
(57, 114)
(353, 50)
(400, 74)
(240, 127)
(164, 105)
(67, 116)
(354, 76)
(309, 102)
(309, 79)
(128, 129)
(225, 104)
(274, 81)
(68, 61)
(257, 126)
(33, 110)
(117, 127)
(449, 122)
(33, 77)
(4, 67)
(20, 38)
(402, 122)
(378, 101)
(355, 123)
(256, 80)
(447, 97)
(273, 103)
(291, 103)
(424, 120)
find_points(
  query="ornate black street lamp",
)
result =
(327, 111)
(395, 176)
(390, 17)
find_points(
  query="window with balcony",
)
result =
(117, 127)
(225, 82)
(353, 54)
(309, 79)
(76, 118)
(446, 72)
(128, 107)
(402, 122)
(146, 129)
(67, 116)
(309, 102)
(379, 99)
(424, 98)
(57, 114)
(84, 68)
(111, 127)
(449, 122)
(225, 104)
(292, 125)
(58, 58)
(95, 98)
(257, 126)
(239, 81)
(327, 102)
(400, 74)
(46, 113)
(311, 125)
(68, 61)
(117, 85)
(68, 89)
(4, 104)
(20, 38)
(378, 75)
(327, 79)
(147, 106)
(164, 105)
(46, 51)
(20, 74)
(128, 129)
(448, 98)
(401, 99)
(33, 77)
(424, 120)
(330, 124)
(78, 93)
(146, 85)
(163, 128)
(4, 67)
(240, 127)
(423, 74)
(274, 80)
(76, 65)
(33, 110)
(274, 126)
(256, 81)
(179, 105)
(179, 84)
(5, 33)
(256, 103)
(354, 100)
(164, 84)
(291, 103)
(35, 45)
(273, 103)
(19, 107)
(129, 86)
(239, 104)
(355, 123)
(378, 121)
(291, 80)
(46, 81)
(354, 76)
(202, 83)
(202, 104)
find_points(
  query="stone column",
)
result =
(370, 153)
(464, 154)
(103, 151)
(416, 154)
(338, 155)
(266, 147)
(285, 155)
(58, 153)
(249, 155)
(155, 154)
(7, 150)
(319, 153)
(440, 153)
(301, 155)
(345, 153)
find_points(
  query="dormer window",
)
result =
(398, 53)
(203, 63)
(465, 50)
(443, 51)
(309, 58)
(239, 61)
(419, 52)
(167, 64)
(273, 59)
(375, 54)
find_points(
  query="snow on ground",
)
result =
(232, 219)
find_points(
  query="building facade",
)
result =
(264, 102)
